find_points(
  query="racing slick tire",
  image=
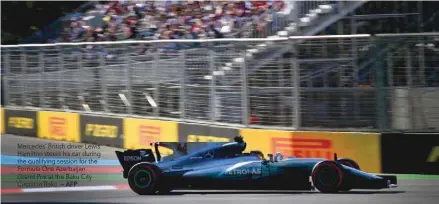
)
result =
(327, 176)
(143, 178)
(350, 163)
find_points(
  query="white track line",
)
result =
(79, 188)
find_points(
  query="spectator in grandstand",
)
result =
(171, 20)
(254, 119)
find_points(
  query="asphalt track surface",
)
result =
(411, 190)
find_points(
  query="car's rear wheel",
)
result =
(143, 178)
(327, 177)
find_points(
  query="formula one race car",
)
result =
(224, 166)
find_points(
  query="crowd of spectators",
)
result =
(122, 20)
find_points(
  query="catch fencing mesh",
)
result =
(387, 81)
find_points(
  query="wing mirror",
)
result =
(278, 157)
(270, 157)
(264, 162)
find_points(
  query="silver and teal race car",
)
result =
(225, 166)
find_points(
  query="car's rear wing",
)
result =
(129, 158)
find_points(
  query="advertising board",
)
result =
(102, 130)
(364, 148)
(258, 139)
(2, 120)
(58, 126)
(204, 133)
(140, 133)
(21, 122)
(415, 153)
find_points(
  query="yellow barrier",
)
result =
(258, 139)
(58, 126)
(2, 120)
(139, 133)
(364, 148)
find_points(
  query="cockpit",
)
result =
(211, 150)
(214, 151)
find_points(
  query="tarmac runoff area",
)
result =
(106, 184)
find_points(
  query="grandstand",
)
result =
(224, 81)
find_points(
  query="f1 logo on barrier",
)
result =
(98, 130)
(21, 123)
(57, 126)
(148, 134)
(301, 147)
(199, 138)
(434, 155)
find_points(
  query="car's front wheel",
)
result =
(347, 186)
(327, 177)
(349, 162)
(143, 178)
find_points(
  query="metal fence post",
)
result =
(156, 82)
(41, 84)
(380, 87)
(183, 86)
(421, 58)
(23, 66)
(61, 83)
(296, 81)
(104, 91)
(354, 50)
(79, 82)
(6, 77)
(411, 101)
(421, 55)
(212, 85)
(390, 70)
(128, 78)
(245, 91)
(409, 67)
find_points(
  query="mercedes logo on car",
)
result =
(209, 155)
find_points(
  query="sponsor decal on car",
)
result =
(244, 171)
(143, 154)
